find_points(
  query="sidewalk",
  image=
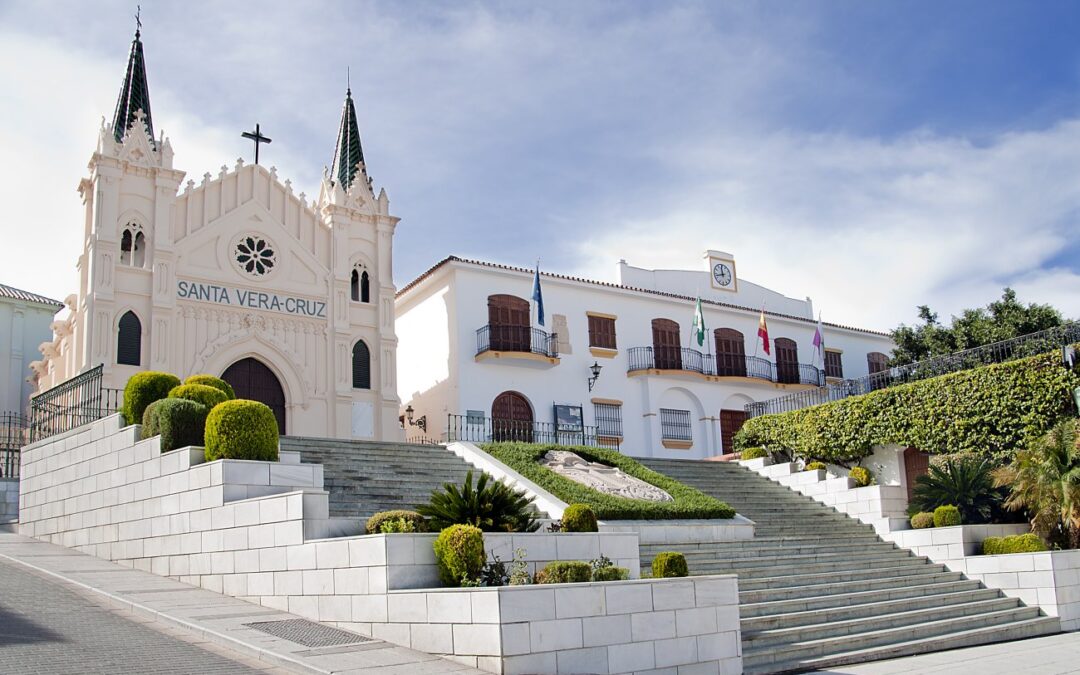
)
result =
(196, 615)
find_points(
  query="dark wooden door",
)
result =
(787, 361)
(508, 323)
(730, 352)
(730, 423)
(916, 463)
(511, 418)
(667, 346)
(251, 379)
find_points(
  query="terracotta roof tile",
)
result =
(27, 296)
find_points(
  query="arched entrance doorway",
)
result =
(251, 379)
(511, 418)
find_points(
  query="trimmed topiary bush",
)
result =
(862, 476)
(241, 429)
(179, 422)
(200, 393)
(611, 574)
(946, 516)
(921, 521)
(815, 466)
(149, 424)
(1017, 543)
(215, 382)
(579, 518)
(753, 453)
(142, 390)
(459, 553)
(669, 564)
(374, 523)
(565, 572)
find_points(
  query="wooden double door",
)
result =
(511, 418)
(509, 328)
(252, 379)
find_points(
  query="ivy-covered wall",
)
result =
(992, 410)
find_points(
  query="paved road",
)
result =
(48, 627)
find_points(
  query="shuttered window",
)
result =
(602, 332)
(361, 366)
(675, 425)
(129, 340)
(876, 362)
(608, 419)
(834, 365)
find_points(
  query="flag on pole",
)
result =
(819, 341)
(537, 296)
(699, 324)
(763, 332)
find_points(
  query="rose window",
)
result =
(255, 255)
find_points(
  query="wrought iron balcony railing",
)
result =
(495, 338)
(722, 365)
(474, 429)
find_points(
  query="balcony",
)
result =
(691, 361)
(486, 430)
(517, 343)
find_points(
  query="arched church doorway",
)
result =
(511, 418)
(252, 379)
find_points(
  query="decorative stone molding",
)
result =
(602, 478)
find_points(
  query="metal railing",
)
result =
(71, 404)
(14, 434)
(1048, 340)
(723, 365)
(474, 429)
(497, 338)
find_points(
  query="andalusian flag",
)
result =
(763, 332)
(819, 341)
(699, 324)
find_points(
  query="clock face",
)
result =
(722, 274)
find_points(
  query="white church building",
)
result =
(290, 299)
(615, 363)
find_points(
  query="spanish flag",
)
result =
(763, 332)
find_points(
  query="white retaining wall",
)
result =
(9, 499)
(950, 545)
(1049, 580)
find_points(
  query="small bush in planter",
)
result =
(142, 390)
(180, 422)
(241, 429)
(1017, 543)
(669, 564)
(215, 382)
(753, 453)
(492, 506)
(375, 523)
(579, 518)
(946, 516)
(862, 476)
(815, 466)
(565, 572)
(459, 553)
(923, 520)
(200, 393)
(605, 570)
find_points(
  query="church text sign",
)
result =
(238, 297)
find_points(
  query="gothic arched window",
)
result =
(360, 285)
(129, 340)
(132, 246)
(365, 287)
(361, 366)
(354, 286)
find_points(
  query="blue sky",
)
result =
(873, 156)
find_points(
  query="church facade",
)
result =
(289, 298)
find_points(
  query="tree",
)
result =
(1000, 320)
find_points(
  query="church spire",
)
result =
(134, 93)
(348, 154)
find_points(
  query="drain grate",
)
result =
(308, 633)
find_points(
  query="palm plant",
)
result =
(965, 482)
(1045, 480)
(492, 506)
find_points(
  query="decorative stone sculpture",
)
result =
(603, 478)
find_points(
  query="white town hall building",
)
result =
(289, 299)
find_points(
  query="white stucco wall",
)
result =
(23, 327)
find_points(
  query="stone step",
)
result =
(778, 569)
(795, 606)
(822, 583)
(749, 546)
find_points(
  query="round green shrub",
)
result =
(1017, 543)
(611, 574)
(215, 382)
(142, 390)
(178, 421)
(815, 466)
(241, 429)
(459, 553)
(923, 520)
(565, 572)
(374, 523)
(149, 424)
(669, 564)
(753, 453)
(946, 516)
(579, 518)
(200, 393)
(862, 476)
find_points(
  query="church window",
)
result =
(354, 286)
(365, 287)
(132, 247)
(361, 366)
(360, 285)
(129, 340)
(255, 255)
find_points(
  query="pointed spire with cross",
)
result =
(134, 92)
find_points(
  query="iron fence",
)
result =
(14, 434)
(71, 404)
(498, 338)
(476, 429)
(1031, 344)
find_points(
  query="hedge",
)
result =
(144, 388)
(241, 429)
(922, 520)
(459, 553)
(178, 421)
(565, 572)
(989, 410)
(215, 382)
(688, 502)
(947, 516)
(200, 393)
(579, 518)
(375, 522)
(1017, 543)
(669, 564)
